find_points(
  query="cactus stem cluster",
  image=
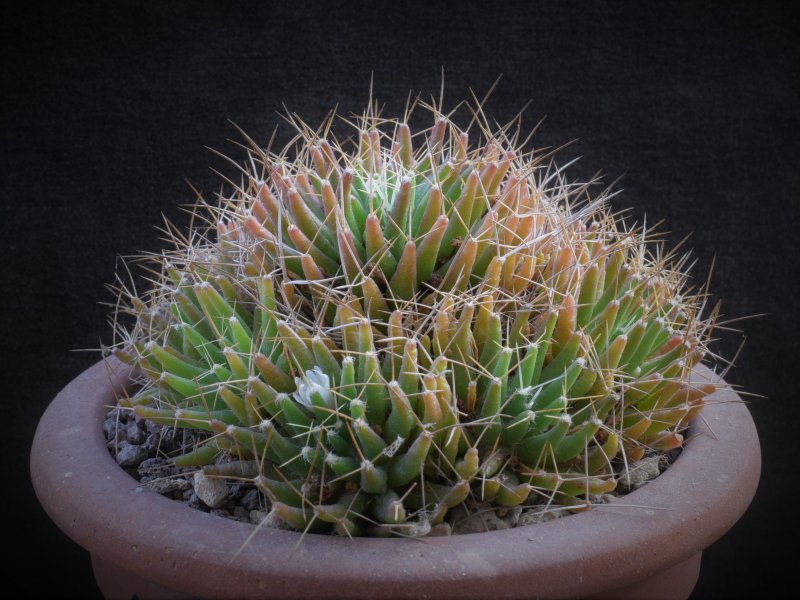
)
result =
(377, 331)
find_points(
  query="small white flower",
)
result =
(314, 381)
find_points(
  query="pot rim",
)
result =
(661, 524)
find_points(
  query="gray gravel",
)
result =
(130, 455)
(143, 449)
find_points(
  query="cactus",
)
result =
(385, 330)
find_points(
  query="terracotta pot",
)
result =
(648, 544)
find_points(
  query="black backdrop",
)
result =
(108, 108)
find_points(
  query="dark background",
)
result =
(107, 110)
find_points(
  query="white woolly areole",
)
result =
(392, 448)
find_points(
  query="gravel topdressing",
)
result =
(143, 449)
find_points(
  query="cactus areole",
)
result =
(389, 328)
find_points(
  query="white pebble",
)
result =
(213, 492)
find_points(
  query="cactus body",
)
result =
(388, 331)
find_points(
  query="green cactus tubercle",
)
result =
(385, 332)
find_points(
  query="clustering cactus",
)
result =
(377, 332)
